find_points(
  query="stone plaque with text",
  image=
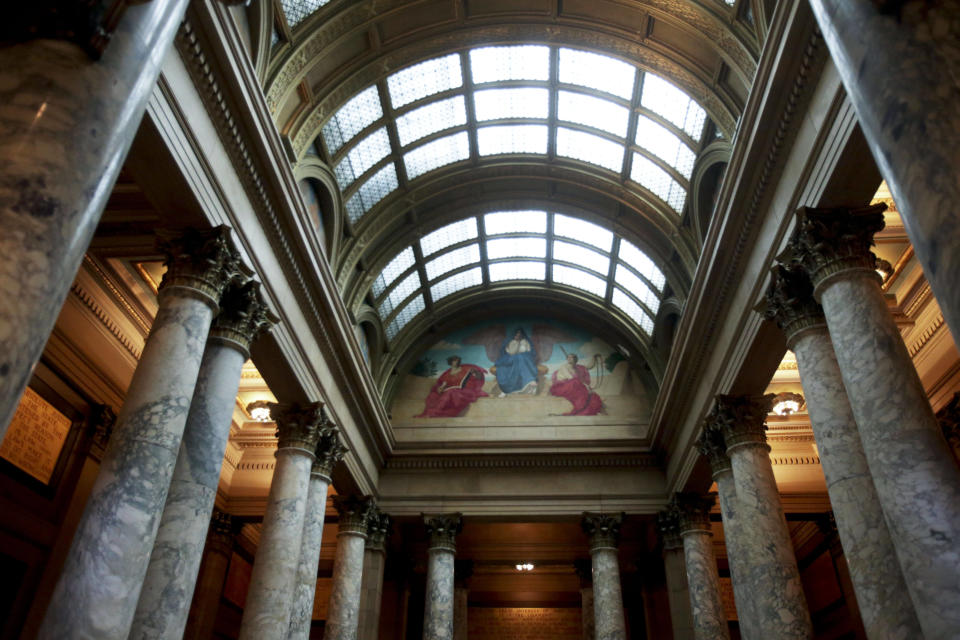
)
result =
(35, 436)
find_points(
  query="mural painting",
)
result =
(521, 369)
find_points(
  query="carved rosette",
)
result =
(669, 528)
(243, 316)
(299, 426)
(199, 264)
(790, 303)
(603, 529)
(378, 530)
(743, 419)
(329, 451)
(101, 423)
(830, 242)
(443, 529)
(712, 445)
(691, 511)
(355, 513)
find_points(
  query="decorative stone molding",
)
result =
(669, 527)
(199, 264)
(743, 419)
(378, 530)
(443, 529)
(355, 514)
(329, 452)
(712, 445)
(789, 302)
(691, 511)
(101, 422)
(299, 426)
(105, 319)
(829, 242)
(243, 316)
(531, 461)
(602, 528)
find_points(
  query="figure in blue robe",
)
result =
(517, 365)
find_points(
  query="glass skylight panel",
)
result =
(296, 11)
(436, 116)
(357, 114)
(500, 104)
(635, 285)
(589, 148)
(399, 293)
(593, 112)
(521, 270)
(636, 313)
(522, 62)
(408, 313)
(517, 248)
(580, 279)
(375, 189)
(583, 231)
(436, 154)
(453, 260)
(362, 156)
(451, 234)
(641, 263)
(515, 222)
(646, 173)
(673, 105)
(400, 263)
(456, 282)
(513, 138)
(587, 258)
(665, 145)
(597, 72)
(424, 79)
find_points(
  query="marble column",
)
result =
(438, 606)
(66, 123)
(900, 64)
(603, 530)
(374, 564)
(584, 570)
(274, 577)
(828, 527)
(97, 592)
(885, 605)
(343, 612)
(328, 453)
(691, 512)
(917, 481)
(175, 562)
(462, 570)
(772, 578)
(213, 575)
(675, 571)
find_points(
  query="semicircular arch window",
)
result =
(553, 250)
(515, 100)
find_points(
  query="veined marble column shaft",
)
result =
(462, 570)
(374, 564)
(66, 123)
(917, 481)
(328, 453)
(675, 571)
(213, 574)
(438, 607)
(175, 562)
(885, 605)
(900, 64)
(772, 576)
(97, 592)
(343, 612)
(604, 531)
(584, 569)
(274, 577)
(691, 513)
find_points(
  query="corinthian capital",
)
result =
(669, 528)
(199, 264)
(329, 451)
(691, 511)
(712, 445)
(743, 419)
(790, 303)
(602, 528)
(378, 530)
(829, 242)
(243, 316)
(299, 426)
(355, 513)
(443, 529)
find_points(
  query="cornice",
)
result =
(531, 461)
(926, 336)
(89, 301)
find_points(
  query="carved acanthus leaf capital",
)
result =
(712, 445)
(330, 450)
(243, 316)
(789, 301)
(602, 528)
(669, 527)
(355, 513)
(200, 264)
(442, 529)
(378, 530)
(691, 511)
(101, 423)
(743, 419)
(828, 242)
(299, 426)
(223, 531)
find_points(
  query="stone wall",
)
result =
(489, 623)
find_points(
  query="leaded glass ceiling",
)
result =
(538, 247)
(487, 103)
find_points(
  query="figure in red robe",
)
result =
(455, 389)
(572, 381)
